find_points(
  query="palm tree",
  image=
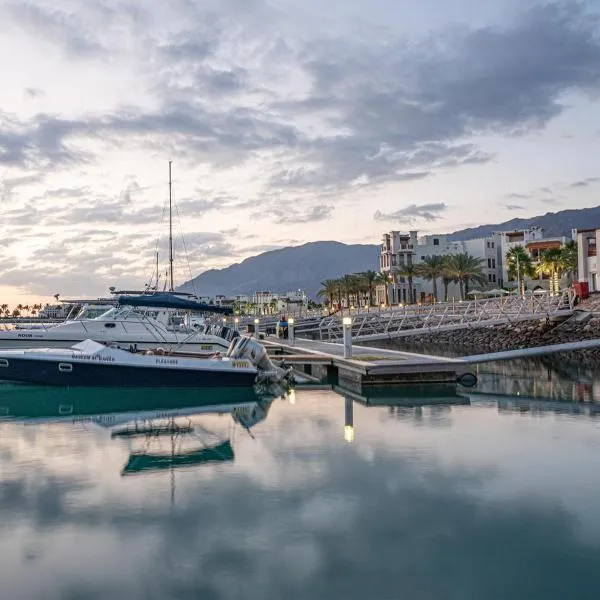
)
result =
(519, 266)
(552, 263)
(3, 309)
(329, 290)
(570, 259)
(447, 276)
(350, 287)
(410, 271)
(465, 268)
(431, 269)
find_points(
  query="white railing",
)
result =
(411, 320)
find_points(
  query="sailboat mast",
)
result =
(170, 230)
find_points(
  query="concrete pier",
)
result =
(367, 366)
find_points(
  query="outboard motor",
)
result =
(254, 351)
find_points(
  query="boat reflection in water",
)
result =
(146, 415)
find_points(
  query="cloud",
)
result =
(550, 201)
(376, 110)
(33, 93)
(313, 215)
(426, 212)
(514, 207)
(584, 182)
(518, 196)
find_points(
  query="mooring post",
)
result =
(347, 329)
(291, 331)
(256, 328)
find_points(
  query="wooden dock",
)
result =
(367, 367)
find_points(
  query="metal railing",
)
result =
(411, 320)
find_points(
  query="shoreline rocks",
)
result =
(496, 338)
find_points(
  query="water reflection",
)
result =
(538, 379)
(260, 497)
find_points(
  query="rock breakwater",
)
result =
(525, 334)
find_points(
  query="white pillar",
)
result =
(291, 331)
(347, 328)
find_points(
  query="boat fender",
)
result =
(467, 379)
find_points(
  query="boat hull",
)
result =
(202, 349)
(89, 374)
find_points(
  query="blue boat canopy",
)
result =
(166, 300)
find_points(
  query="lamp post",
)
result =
(291, 331)
(256, 328)
(347, 329)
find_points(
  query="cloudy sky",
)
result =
(287, 121)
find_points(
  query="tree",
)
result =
(465, 268)
(570, 259)
(519, 266)
(431, 269)
(329, 290)
(410, 271)
(447, 276)
(551, 263)
(4, 309)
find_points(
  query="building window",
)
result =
(489, 263)
(489, 277)
(422, 258)
(488, 244)
(492, 244)
(436, 242)
(494, 278)
(493, 263)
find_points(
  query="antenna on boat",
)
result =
(170, 230)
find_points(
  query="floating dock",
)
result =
(367, 367)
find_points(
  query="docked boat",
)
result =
(92, 364)
(143, 321)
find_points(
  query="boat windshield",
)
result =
(91, 312)
(124, 312)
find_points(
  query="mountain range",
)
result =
(304, 267)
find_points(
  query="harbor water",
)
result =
(422, 493)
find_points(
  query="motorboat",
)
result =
(140, 321)
(92, 364)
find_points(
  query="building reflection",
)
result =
(536, 379)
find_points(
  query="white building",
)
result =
(401, 249)
(588, 241)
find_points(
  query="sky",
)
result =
(287, 121)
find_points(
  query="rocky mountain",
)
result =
(304, 267)
(299, 267)
(554, 224)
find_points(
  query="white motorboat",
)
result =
(91, 364)
(141, 322)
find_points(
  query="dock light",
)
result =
(347, 333)
(352, 308)
(349, 433)
(256, 321)
(291, 330)
(224, 320)
(236, 320)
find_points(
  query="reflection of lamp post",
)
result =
(347, 329)
(349, 421)
(291, 331)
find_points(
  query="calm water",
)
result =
(314, 495)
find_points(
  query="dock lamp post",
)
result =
(347, 329)
(256, 328)
(291, 331)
